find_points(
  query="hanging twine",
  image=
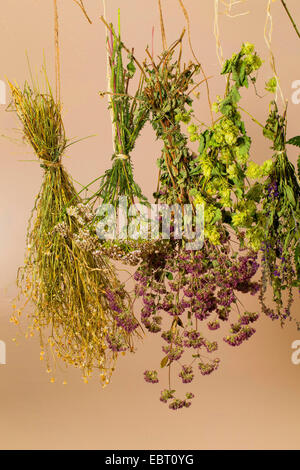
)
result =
(268, 31)
(231, 3)
(228, 4)
(217, 34)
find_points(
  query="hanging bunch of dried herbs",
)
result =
(167, 95)
(82, 312)
(222, 175)
(128, 119)
(187, 294)
(281, 210)
(220, 172)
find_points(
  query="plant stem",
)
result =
(162, 27)
(252, 117)
(80, 4)
(290, 17)
(57, 54)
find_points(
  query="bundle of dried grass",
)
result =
(82, 311)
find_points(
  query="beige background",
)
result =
(253, 400)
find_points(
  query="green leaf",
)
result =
(290, 195)
(235, 74)
(131, 68)
(217, 217)
(294, 141)
(164, 362)
(169, 276)
(235, 95)
(239, 193)
(203, 140)
(255, 192)
(268, 133)
(227, 67)
(242, 74)
(244, 144)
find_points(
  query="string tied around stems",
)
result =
(121, 156)
(48, 164)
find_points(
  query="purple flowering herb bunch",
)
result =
(119, 339)
(281, 219)
(186, 293)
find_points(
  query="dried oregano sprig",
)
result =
(186, 296)
(82, 312)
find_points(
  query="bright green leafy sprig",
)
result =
(281, 211)
(129, 117)
(221, 171)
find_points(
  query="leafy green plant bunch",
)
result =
(220, 172)
(163, 92)
(281, 215)
(128, 119)
(167, 94)
(232, 187)
(129, 116)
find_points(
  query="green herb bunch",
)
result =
(219, 173)
(281, 211)
(233, 188)
(128, 119)
(167, 95)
